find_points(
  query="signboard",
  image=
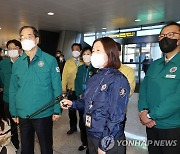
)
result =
(123, 35)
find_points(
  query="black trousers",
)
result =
(82, 129)
(1, 104)
(43, 128)
(163, 141)
(72, 112)
(14, 132)
(3, 150)
(93, 145)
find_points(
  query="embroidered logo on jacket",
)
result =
(173, 69)
(103, 87)
(122, 92)
(40, 63)
(90, 73)
(57, 69)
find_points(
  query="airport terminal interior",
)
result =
(136, 25)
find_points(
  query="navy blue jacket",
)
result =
(108, 93)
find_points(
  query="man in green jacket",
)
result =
(35, 81)
(159, 100)
(14, 50)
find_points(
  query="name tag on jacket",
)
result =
(171, 76)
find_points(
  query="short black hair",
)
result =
(0, 49)
(119, 46)
(15, 42)
(58, 51)
(171, 23)
(62, 55)
(86, 48)
(76, 44)
(35, 31)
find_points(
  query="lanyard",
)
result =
(77, 62)
(92, 98)
(86, 75)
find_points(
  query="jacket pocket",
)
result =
(42, 75)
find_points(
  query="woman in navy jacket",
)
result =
(104, 100)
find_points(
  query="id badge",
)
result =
(88, 120)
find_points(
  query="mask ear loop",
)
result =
(178, 40)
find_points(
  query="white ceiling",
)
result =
(82, 15)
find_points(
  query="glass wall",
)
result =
(89, 38)
(139, 56)
(149, 53)
(131, 53)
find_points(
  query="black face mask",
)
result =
(167, 45)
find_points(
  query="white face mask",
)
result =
(57, 55)
(87, 58)
(27, 45)
(2, 54)
(61, 58)
(98, 60)
(75, 53)
(13, 53)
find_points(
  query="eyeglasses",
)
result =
(13, 49)
(169, 35)
(29, 37)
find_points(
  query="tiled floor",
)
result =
(64, 144)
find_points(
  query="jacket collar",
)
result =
(174, 60)
(38, 53)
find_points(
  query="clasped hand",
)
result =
(145, 120)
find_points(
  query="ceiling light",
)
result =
(0, 27)
(137, 20)
(104, 28)
(50, 13)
